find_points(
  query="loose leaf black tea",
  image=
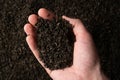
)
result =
(56, 42)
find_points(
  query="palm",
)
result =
(65, 74)
(84, 60)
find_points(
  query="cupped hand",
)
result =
(86, 64)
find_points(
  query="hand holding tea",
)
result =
(86, 64)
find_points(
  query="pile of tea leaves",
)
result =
(55, 41)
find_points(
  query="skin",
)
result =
(86, 65)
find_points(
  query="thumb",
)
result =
(84, 48)
(78, 27)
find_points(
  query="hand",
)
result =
(86, 65)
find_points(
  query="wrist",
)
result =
(97, 74)
(94, 74)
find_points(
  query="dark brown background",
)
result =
(101, 17)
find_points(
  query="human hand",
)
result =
(86, 65)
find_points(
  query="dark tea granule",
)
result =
(56, 42)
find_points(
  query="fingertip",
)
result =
(33, 18)
(67, 18)
(42, 12)
(27, 28)
(45, 14)
(63, 16)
